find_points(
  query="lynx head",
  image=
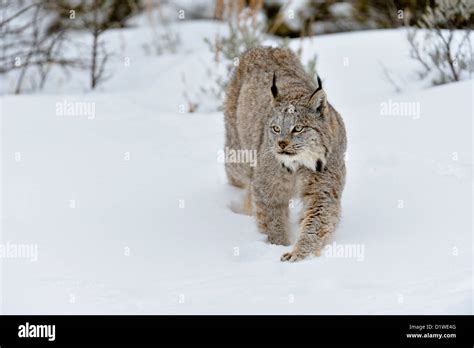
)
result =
(299, 131)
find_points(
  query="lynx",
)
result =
(275, 108)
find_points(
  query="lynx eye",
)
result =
(276, 129)
(297, 129)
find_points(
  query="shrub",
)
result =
(444, 52)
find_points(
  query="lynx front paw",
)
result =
(297, 255)
(293, 256)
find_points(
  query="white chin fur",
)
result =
(304, 159)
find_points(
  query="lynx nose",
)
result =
(283, 144)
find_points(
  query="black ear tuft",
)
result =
(320, 84)
(320, 87)
(274, 87)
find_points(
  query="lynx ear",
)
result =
(317, 99)
(274, 87)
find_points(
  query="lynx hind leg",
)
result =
(235, 175)
(244, 207)
(238, 173)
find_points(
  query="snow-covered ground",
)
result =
(128, 204)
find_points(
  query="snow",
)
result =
(129, 207)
